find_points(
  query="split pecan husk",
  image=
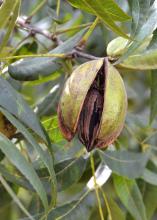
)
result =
(93, 104)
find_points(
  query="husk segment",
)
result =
(74, 94)
(115, 106)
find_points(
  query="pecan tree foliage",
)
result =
(82, 58)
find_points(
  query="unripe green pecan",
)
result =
(93, 104)
(118, 46)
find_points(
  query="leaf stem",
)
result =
(96, 186)
(72, 54)
(58, 7)
(106, 202)
(61, 55)
(74, 206)
(89, 32)
(37, 8)
(62, 31)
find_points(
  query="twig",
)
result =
(72, 54)
(96, 187)
(58, 7)
(60, 55)
(77, 53)
(77, 27)
(22, 23)
(37, 8)
(89, 32)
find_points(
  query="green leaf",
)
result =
(73, 171)
(15, 198)
(119, 45)
(72, 168)
(141, 61)
(108, 11)
(130, 196)
(106, 6)
(14, 155)
(150, 200)
(44, 155)
(33, 68)
(116, 47)
(150, 177)
(125, 163)
(153, 100)
(115, 211)
(11, 100)
(54, 213)
(5, 11)
(135, 13)
(78, 209)
(11, 24)
(12, 178)
(139, 11)
(144, 31)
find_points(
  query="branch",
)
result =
(72, 54)
(77, 53)
(23, 24)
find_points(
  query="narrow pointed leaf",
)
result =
(108, 11)
(11, 24)
(14, 155)
(139, 11)
(5, 11)
(44, 155)
(125, 163)
(115, 211)
(11, 100)
(135, 12)
(15, 198)
(106, 6)
(73, 170)
(144, 31)
(78, 209)
(18, 180)
(130, 196)
(150, 177)
(150, 196)
(141, 61)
